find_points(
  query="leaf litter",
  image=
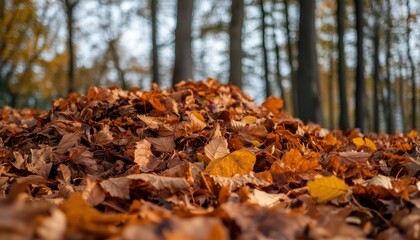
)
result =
(199, 161)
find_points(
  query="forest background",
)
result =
(340, 63)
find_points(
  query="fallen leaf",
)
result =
(275, 105)
(238, 162)
(325, 189)
(117, 187)
(217, 148)
(163, 144)
(170, 184)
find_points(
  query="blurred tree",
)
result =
(264, 50)
(376, 66)
(290, 57)
(412, 68)
(69, 8)
(155, 56)
(235, 46)
(309, 105)
(344, 117)
(277, 50)
(24, 38)
(389, 91)
(183, 54)
(360, 71)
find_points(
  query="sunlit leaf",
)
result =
(273, 104)
(325, 189)
(239, 162)
(216, 148)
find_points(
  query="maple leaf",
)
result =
(238, 162)
(325, 189)
(217, 148)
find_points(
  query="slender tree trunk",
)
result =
(155, 57)
(117, 64)
(388, 101)
(331, 91)
(401, 81)
(69, 8)
(360, 71)
(278, 63)
(183, 52)
(264, 49)
(344, 117)
(376, 67)
(235, 46)
(309, 105)
(290, 59)
(413, 70)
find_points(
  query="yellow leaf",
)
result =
(325, 189)
(239, 162)
(249, 119)
(370, 144)
(203, 158)
(217, 148)
(359, 142)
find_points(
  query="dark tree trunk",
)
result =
(360, 69)
(183, 53)
(69, 8)
(344, 117)
(401, 81)
(412, 69)
(388, 101)
(376, 67)
(290, 58)
(331, 91)
(235, 46)
(155, 56)
(309, 105)
(278, 62)
(264, 49)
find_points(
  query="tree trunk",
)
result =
(344, 117)
(117, 64)
(401, 81)
(264, 50)
(331, 91)
(235, 46)
(413, 70)
(155, 57)
(278, 61)
(360, 71)
(183, 53)
(376, 67)
(290, 59)
(309, 105)
(69, 8)
(388, 101)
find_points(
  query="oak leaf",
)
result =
(239, 162)
(325, 189)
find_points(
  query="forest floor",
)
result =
(199, 161)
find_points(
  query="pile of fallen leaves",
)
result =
(199, 161)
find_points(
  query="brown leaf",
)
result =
(217, 148)
(163, 144)
(117, 187)
(93, 193)
(144, 157)
(103, 137)
(170, 184)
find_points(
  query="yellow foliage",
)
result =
(325, 189)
